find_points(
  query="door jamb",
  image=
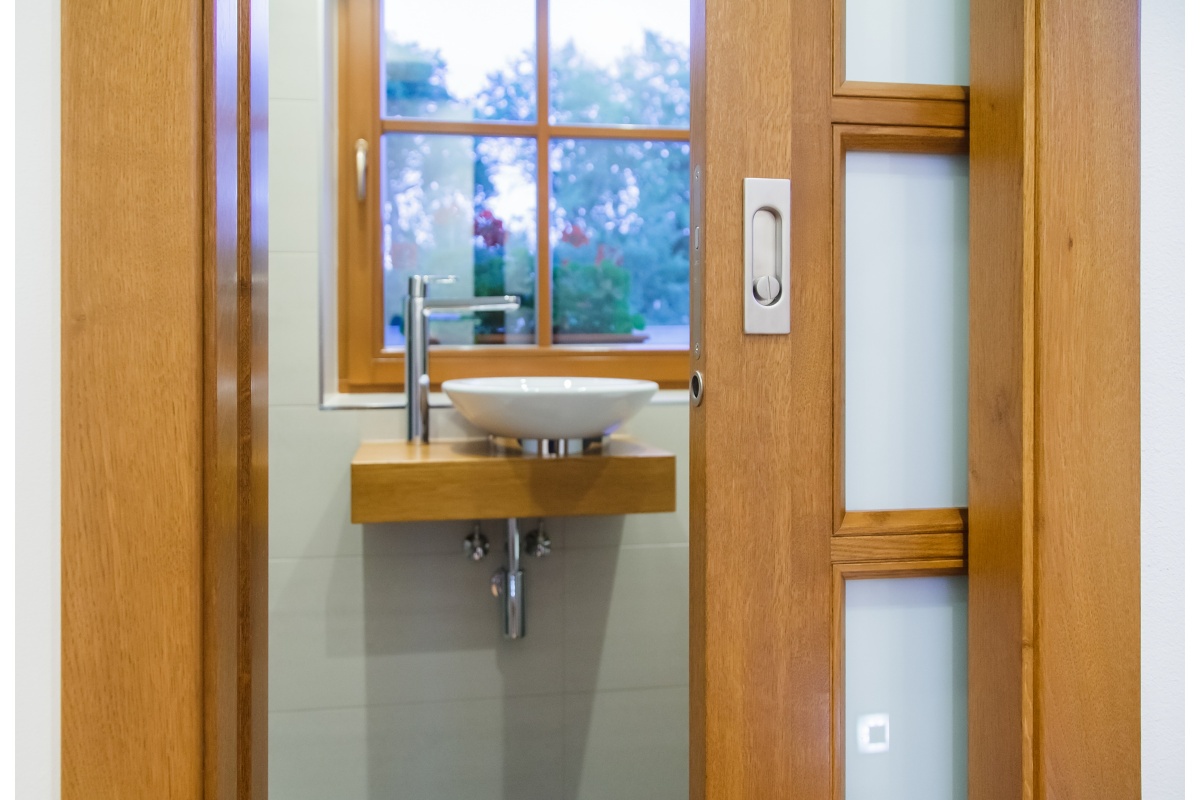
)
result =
(163, 399)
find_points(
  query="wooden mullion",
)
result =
(900, 111)
(621, 132)
(909, 520)
(455, 127)
(545, 289)
(907, 91)
(896, 547)
(531, 130)
(900, 139)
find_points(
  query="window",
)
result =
(529, 147)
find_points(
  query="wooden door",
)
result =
(1049, 129)
(164, 399)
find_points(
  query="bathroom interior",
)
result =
(392, 673)
(429, 637)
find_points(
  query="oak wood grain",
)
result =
(908, 520)
(896, 547)
(162, 679)
(900, 111)
(360, 298)
(1053, 422)
(901, 91)
(132, 438)
(252, 399)
(1087, 386)
(1000, 634)
(545, 289)
(397, 481)
(220, 423)
(761, 615)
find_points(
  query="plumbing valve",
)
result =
(537, 543)
(476, 545)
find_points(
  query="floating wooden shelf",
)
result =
(393, 481)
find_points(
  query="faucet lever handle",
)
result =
(418, 283)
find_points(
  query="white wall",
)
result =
(37, 404)
(1162, 398)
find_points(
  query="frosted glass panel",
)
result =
(907, 41)
(906, 689)
(906, 331)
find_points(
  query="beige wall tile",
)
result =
(631, 745)
(293, 153)
(294, 373)
(626, 618)
(492, 749)
(309, 495)
(664, 426)
(295, 56)
(383, 629)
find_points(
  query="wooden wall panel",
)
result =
(1087, 445)
(1054, 451)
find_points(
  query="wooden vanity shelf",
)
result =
(393, 481)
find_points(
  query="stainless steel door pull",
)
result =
(767, 234)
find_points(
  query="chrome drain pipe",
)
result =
(508, 584)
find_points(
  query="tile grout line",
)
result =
(481, 698)
(455, 552)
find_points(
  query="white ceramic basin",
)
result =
(548, 408)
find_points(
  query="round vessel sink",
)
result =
(548, 408)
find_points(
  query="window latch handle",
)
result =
(360, 168)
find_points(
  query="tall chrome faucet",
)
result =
(416, 342)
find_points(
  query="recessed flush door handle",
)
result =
(765, 251)
(767, 232)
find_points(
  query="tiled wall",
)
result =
(388, 674)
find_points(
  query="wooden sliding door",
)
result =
(915, 515)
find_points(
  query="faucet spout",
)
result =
(416, 342)
(504, 302)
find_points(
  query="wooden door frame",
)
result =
(164, 399)
(1054, 464)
